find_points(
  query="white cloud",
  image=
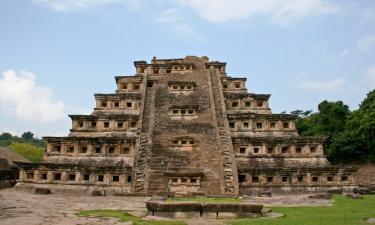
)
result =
(281, 12)
(174, 18)
(19, 94)
(74, 5)
(332, 85)
(170, 15)
(369, 77)
(366, 43)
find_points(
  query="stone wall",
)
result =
(8, 174)
(365, 175)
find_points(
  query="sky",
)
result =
(55, 54)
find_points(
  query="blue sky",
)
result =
(55, 54)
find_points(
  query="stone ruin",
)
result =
(183, 127)
(9, 170)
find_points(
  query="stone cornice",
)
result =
(111, 116)
(234, 78)
(76, 166)
(240, 95)
(241, 115)
(119, 95)
(113, 139)
(305, 169)
(281, 140)
(133, 78)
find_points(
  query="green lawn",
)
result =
(206, 199)
(124, 216)
(344, 211)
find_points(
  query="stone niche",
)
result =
(181, 87)
(184, 183)
(184, 144)
(183, 112)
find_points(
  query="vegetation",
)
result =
(205, 199)
(29, 151)
(124, 216)
(27, 145)
(6, 139)
(350, 135)
(344, 211)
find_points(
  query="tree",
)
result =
(332, 117)
(329, 120)
(27, 135)
(6, 136)
(29, 151)
(351, 135)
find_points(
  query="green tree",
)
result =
(351, 135)
(361, 127)
(27, 150)
(330, 119)
(6, 136)
(27, 135)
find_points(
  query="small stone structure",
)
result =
(183, 127)
(204, 210)
(9, 170)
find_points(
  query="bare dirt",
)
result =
(21, 208)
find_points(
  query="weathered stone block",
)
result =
(335, 192)
(251, 208)
(364, 190)
(98, 193)
(327, 196)
(354, 196)
(264, 194)
(43, 191)
(173, 207)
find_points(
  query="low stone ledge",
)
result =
(173, 207)
(206, 210)
(326, 196)
(364, 190)
(335, 191)
(354, 196)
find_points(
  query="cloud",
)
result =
(174, 18)
(75, 5)
(369, 77)
(311, 85)
(366, 43)
(281, 12)
(19, 94)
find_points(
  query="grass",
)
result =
(206, 199)
(344, 211)
(124, 216)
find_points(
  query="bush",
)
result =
(29, 151)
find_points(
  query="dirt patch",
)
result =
(288, 200)
(18, 207)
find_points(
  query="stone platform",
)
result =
(203, 210)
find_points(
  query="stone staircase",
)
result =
(145, 140)
(224, 143)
